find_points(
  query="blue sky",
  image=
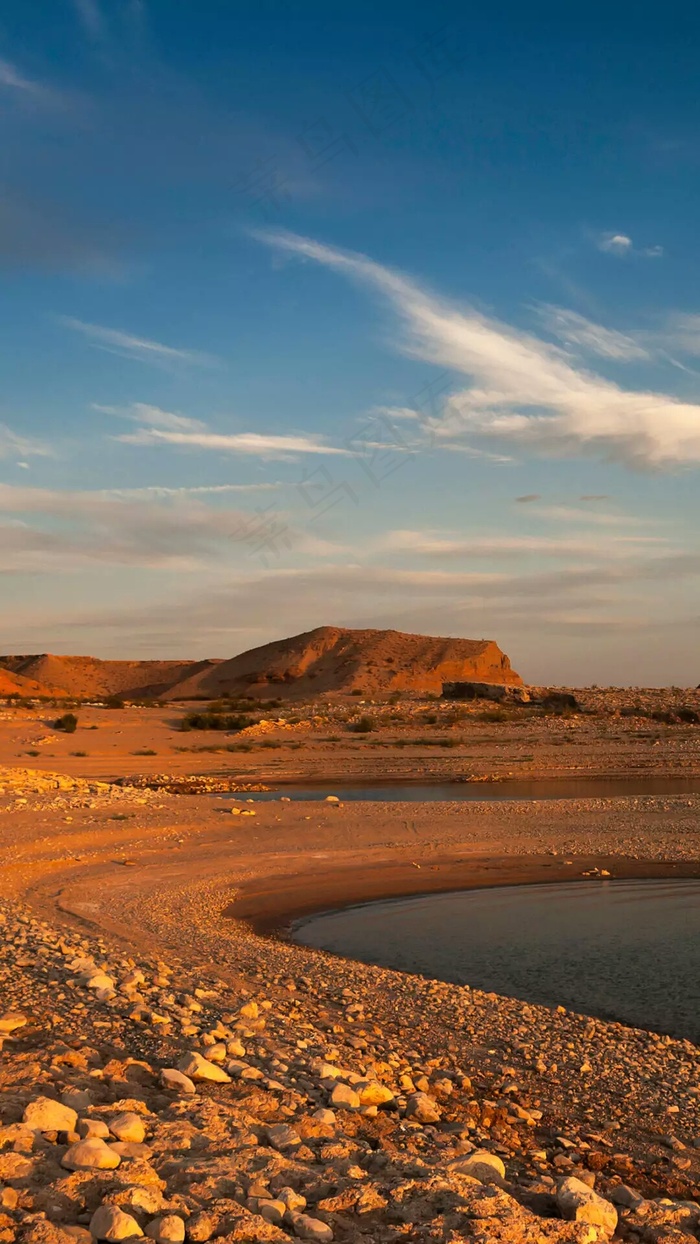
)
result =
(374, 317)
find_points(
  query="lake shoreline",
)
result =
(141, 877)
(270, 906)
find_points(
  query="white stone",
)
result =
(372, 1093)
(177, 1081)
(98, 980)
(324, 1116)
(344, 1098)
(168, 1229)
(482, 1165)
(579, 1203)
(292, 1199)
(46, 1115)
(128, 1127)
(90, 1154)
(217, 1052)
(109, 1222)
(272, 1211)
(199, 1068)
(87, 1128)
(422, 1108)
(310, 1228)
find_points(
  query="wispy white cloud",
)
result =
(588, 516)
(615, 244)
(437, 544)
(12, 445)
(31, 94)
(576, 331)
(152, 417)
(129, 346)
(142, 527)
(682, 332)
(159, 490)
(621, 245)
(11, 79)
(523, 392)
(253, 443)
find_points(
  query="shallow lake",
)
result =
(427, 792)
(624, 950)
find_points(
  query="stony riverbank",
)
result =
(239, 1088)
(137, 1097)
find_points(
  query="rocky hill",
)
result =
(15, 684)
(334, 659)
(87, 676)
(328, 659)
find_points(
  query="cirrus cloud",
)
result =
(523, 391)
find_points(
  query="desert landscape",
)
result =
(173, 1064)
(349, 604)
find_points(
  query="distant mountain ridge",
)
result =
(325, 660)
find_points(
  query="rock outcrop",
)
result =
(335, 659)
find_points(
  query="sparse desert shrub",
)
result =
(363, 725)
(78, 753)
(492, 714)
(231, 722)
(68, 723)
(145, 751)
(357, 691)
(113, 701)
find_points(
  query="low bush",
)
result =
(230, 722)
(363, 725)
(68, 723)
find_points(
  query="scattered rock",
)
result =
(109, 1222)
(90, 1154)
(46, 1115)
(579, 1203)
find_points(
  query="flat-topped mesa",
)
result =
(336, 659)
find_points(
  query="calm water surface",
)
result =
(546, 788)
(624, 950)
